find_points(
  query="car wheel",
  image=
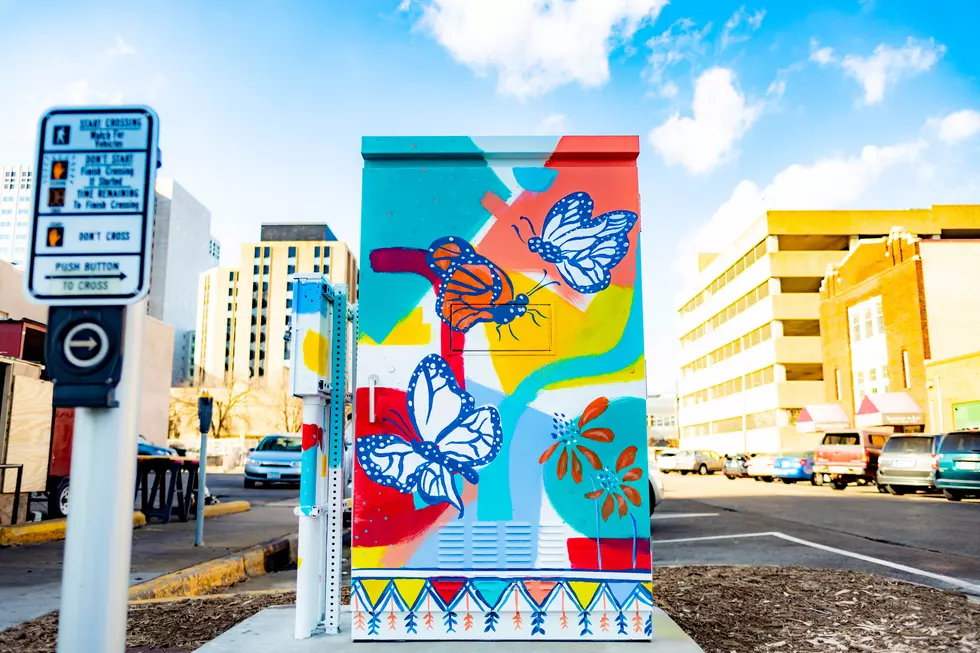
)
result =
(952, 495)
(897, 490)
(730, 477)
(249, 483)
(816, 479)
(789, 481)
(703, 470)
(767, 479)
(684, 472)
(839, 485)
(882, 488)
(58, 500)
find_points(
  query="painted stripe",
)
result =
(565, 574)
(949, 580)
(682, 515)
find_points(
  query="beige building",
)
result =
(750, 347)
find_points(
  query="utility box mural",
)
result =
(501, 487)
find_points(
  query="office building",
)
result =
(891, 307)
(750, 346)
(243, 312)
(182, 251)
(214, 249)
(662, 420)
(16, 183)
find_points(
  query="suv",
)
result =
(908, 463)
(686, 462)
(958, 464)
(849, 457)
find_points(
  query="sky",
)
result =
(740, 106)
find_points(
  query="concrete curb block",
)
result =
(49, 530)
(230, 508)
(221, 572)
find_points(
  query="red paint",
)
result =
(61, 438)
(11, 338)
(312, 436)
(447, 588)
(616, 554)
(383, 516)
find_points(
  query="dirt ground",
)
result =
(725, 610)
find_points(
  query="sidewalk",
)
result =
(30, 576)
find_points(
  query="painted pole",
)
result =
(312, 524)
(335, 451)
(95, 580)
(204, 409)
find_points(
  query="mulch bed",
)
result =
(724, 609)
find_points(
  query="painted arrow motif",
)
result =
(118, 275)
(89, 344)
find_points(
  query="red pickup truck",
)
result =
(845, 457)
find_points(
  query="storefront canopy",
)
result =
(888, 409)
(818, 418)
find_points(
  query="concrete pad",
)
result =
(272, 630)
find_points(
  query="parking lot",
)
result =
(921, 538)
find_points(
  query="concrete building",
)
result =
(750, 347)
(182, 249)
(214, 249)
(243, 312)
(662, 420)
(892, 306)
(16, 183)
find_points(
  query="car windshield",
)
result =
(667, 454)
(964, 441)
(797, 454)
(279, 443)
(908, 445)
(841, 439)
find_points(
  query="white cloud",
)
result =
(887, 65)
(823, 56)
(720, 118)
(120, 48)
(830, 183)
(958, 126)
(682, 41)
(553, 125)
(80, 92)
(534, 46)
(740, 26)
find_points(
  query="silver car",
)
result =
(689, 461)
(277, 459)
(908, 463)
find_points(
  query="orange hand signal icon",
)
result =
(59, 170)
(55, 236)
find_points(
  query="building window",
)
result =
(869, 349)
(316, 268)
(292, 252)
(906, 371)
(258, 252)
(316, 252)
(744, 263)
(289, 302)
(231, 276)
(291, 269)
(265, 252)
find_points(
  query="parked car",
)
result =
(908, 463)
(687, 461)
(145, 448)
(735, 465)
(760, 466)
(276, 459)
(958, 465)
(849, 457)
(794, 466)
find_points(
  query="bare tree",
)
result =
(290, 418)
(226, 412)
(177, 419)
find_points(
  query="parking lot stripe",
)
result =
(709, 537)
(682, 515)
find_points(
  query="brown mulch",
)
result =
(797, 610)
(724, 609)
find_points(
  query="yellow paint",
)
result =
(410, 331)
(584, 591)
(323, 466)
(299, 563)
(374, 589)
(49, 530)
(229, 508)
(649, 587)
(365, 339)
(367, 556)
(634, 372)
(315, 352)
(409, 589)
(573, 333)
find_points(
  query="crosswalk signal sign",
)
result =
(56, 236)
(59, 170)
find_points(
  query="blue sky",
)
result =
(740, 106)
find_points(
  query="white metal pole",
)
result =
(310, 588)
(95, 580)
(202, 478)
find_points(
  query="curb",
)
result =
(49, 530)
(220, 572)
(230, 508)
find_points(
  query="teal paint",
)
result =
(536, 179)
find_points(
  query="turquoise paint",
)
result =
(495, 479)
(627, 419)
(409, 208)
(536, 179)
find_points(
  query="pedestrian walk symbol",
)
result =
(56, 236)
(59, 170)
(62, 134)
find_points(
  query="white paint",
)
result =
(949, 580)
(563, 574)
(682, 515)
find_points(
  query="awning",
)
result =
(818, 418)
(888, 409)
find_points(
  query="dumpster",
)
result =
(500, 477)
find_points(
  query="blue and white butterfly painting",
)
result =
(446, 435)
(585, 249)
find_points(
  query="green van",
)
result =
(958, 464)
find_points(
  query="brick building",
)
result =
(891, 306)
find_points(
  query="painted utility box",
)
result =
(500, 485)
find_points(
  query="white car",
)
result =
(656, 488)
